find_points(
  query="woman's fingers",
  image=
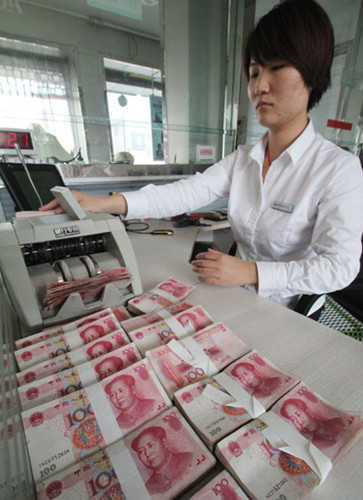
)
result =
(217, 268)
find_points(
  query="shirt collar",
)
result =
(294, 151)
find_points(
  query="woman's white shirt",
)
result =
(302, 225)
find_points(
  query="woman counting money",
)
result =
(295, 199)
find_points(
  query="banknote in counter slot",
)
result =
(41, 249)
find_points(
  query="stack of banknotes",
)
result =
(153, 405)
(222, 487)
(158, 460)
(66, 342)
(244, 390)
(164, 294)
(181, 325)
(290, 449)
(88, 288)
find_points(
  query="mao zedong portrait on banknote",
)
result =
(91, 333)
(99, 349)
(322, 433)
(153, 450)
(255, 383)
(108, 366)
(129, 406)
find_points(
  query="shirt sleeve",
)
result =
(336, 241)
(182, 196)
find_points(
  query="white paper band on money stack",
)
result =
(237, 396)
(285, 437)
(180, 330)
(163, 293)
(103, 413)
(149, 306)
(164, 314)
(86, 374)
(194, 355)
(77, 356)
(125, 469)
(72, 339)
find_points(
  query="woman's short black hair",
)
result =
(299, 32)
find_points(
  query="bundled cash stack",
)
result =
(90, 351)
(66, 342)
(243, 391)
(134, 323)
(99, 420)
(164, 294)
(290, 449)
(71, 428)
(204, 354)
(158, 461)
(76, 378)
(88, 288)
(120, 312)
(179, 326)
(223, 487)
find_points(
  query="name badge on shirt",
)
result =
(283, 207)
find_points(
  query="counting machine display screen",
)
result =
(44, 177)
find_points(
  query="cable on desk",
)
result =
(144, 226)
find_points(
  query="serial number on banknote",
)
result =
(48, 465)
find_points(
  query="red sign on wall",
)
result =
(339, 124)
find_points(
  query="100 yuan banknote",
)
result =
(120, 312)
(76, 378)
(165, 293)
(204, 354)
(242, 391)
(149, 318)
(221, 487)
(66, 342)
(328, 428)
(263, 470)
(179, 326)
(159, 461)
(77, 425)
(93, 350)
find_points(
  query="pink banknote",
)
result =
(329, 429)
(149, 318)
(90, 351)
(168, 455)
(220, 405)
(76, 378)
(158, 461)
(73, 427)
(66, 342)
(262, 470)
(179, 326)
(120, 312)
(165, 293)
(221, 487)
(92, 478)
(89, 289)
(203, 354)
(260, 378)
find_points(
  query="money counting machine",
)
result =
(41, 249)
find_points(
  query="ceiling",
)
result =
(148, 26)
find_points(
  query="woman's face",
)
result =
(279, 95)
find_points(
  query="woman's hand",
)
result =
(217, 268)
(115, 204)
